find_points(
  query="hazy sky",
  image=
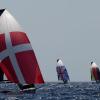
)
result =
(66, 29)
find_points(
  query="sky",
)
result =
(66, 29)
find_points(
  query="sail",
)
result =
(59, 73)
(18, 60)
(62, 72)
(95, 72)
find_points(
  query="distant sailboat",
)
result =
(95, 72)
(62, 72)
(18, 60)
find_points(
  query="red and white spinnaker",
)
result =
(18, 60)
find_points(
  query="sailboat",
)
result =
(62, 72)
(95, 72)
(17, 58)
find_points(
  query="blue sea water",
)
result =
(54, 91)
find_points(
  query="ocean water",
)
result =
(53, 91)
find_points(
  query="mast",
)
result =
(16, 54)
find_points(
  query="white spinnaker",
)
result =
(94, 65)
(8, 23)
(60, 63)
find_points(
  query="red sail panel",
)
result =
(18, 38)
(29, 67)
(95, 73)
(8, 70)
(2, 42)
